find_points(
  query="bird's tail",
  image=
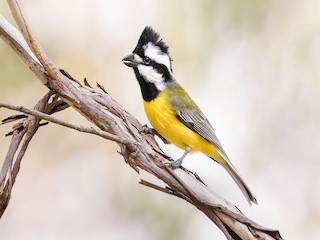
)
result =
(241, 184)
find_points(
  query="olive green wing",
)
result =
(196, 121)
(192, 117)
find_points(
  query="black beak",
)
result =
(129, 61)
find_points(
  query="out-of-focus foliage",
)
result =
(252, 66)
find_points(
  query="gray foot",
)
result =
(175, 164)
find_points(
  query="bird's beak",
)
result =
(129, 61)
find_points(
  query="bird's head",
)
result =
(150, 59)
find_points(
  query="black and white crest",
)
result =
(151, 46)
(150, 36)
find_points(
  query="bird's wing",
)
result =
(196, 121)
(192, 117)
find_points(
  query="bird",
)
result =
(171, 111)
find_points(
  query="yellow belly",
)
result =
(162, 118)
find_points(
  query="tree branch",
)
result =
(22, 135)
(79, 128)
(141, 151)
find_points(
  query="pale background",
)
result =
(253, 68)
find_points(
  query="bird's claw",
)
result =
(147, 130)
(174, 164)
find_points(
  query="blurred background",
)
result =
(252, 66)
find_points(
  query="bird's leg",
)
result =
(146, 130)
(177, 163)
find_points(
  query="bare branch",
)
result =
(32, 43)
(22, 135)
(154, 186)
(14, 39)
(79, 128)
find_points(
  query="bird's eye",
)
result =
(147, 60)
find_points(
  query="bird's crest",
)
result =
(149, 35)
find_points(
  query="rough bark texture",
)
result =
(113, 122)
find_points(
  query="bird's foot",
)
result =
(175, 164)
(146, 130)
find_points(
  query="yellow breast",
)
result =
(161, 116)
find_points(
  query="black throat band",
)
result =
(149, 90)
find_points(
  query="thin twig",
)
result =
(154, 186)
(33, 44)
(80, 128)
(15, 142)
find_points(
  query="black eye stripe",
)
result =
(162, 69)
(159, 67)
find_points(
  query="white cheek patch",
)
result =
(152, 76)
(155, 53)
